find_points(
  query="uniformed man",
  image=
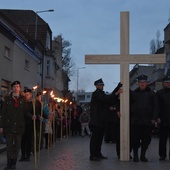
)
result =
(164, 116)
(98, 109)
(143, 114)
(26, 141)
(1, 104)
(13, 122)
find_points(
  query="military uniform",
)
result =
(13, 123)
(143, 109)
(26, 141)
(164, 116)
(98, 109)
(110, 135)
(1, 104)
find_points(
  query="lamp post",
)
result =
(36, 20)
(78, 79)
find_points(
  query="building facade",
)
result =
(28, 53)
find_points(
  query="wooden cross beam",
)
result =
(124, 59)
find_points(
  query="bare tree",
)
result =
(156, 44)
(67, 62)
(152, 47)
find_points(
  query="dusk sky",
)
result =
(93, 27)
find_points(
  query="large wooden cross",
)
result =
(124, 59)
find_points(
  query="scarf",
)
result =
(15, 101)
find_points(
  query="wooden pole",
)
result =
(35, 155)
(40, 131)
(49, 136)
(65, 108)
(54, 135)
(61, 113)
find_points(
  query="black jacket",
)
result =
(143, 106)
(13, 117)
(99, 107)
(164, 103)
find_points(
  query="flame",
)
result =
(51, 93)
(35, 87)
(58, 99)
(66, 100)
(44, 92)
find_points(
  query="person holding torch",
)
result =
(13, 123)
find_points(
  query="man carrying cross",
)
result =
(124, 59)
(98, 109)
(143, 115)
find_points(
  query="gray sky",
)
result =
(93, 27)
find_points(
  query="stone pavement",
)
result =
(73, 154)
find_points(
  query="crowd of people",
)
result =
(29, 124)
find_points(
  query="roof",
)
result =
(13, 35)
(25, 20)
(160, 50)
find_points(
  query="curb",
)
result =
(3, 149)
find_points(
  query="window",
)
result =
(55, 69)
(88, 96)
(5, 87)
(81, 97)
(48, 40)
(27, 64)
(48, 68)
(7, 52)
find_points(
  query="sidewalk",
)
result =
(2, 147)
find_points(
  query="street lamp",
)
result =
(35, 38)
(36, 20)
(78, 79)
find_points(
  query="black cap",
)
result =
(15, 83)
(27, 90)
(39, 94)
(166, 78)
(142, 78)
(99, 82)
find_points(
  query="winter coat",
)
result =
(29, 113)
(84, 118)
(143, 106)
(1, 104)
(13, 116)
(99, 107)
(164, 103)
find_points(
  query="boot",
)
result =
(27, 158)
(142, 157)
(8, 166)
(22, 159)
(13, 164)
(136, 158)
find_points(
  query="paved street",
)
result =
(73, 154)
